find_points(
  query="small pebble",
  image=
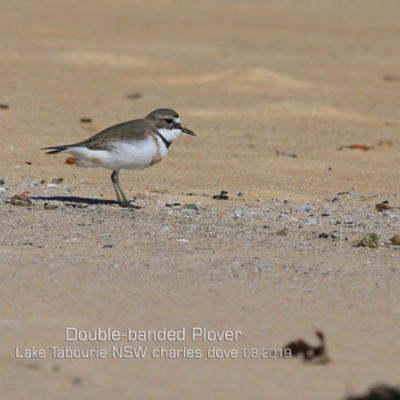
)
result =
(395, 240)
(133, 96)
(70, 160)
(172, 203)
(222, 196)
(21, 200)
(306, 207)
(370, 240)
(311, 221)
(75, 205)
(264, 266)
(48, 206)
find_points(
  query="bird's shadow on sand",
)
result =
(77, 200)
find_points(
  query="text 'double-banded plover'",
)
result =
(131, 145)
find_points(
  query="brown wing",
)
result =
(135, 130)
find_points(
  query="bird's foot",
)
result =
(127, 204)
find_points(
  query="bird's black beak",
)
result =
(188, 131)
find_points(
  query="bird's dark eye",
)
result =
(169, 120)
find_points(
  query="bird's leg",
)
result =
(114, 180)
(121, 198)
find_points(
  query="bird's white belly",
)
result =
(120, 155)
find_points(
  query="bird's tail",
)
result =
(55, 149)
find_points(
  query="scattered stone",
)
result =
(370, 240)
(381, 392)
(264, 267)
(279, 153)
(48, 206)
(243, 214)
(75, 205)
(4, 106)
(162, 191)
(192, 206)
(71, 160)
(107, 246)
(86, 120)
(324, 235)
(182, 240)
(2, 182)
(3, 189)
(381, 207)
(283, 232)
(172, 203)
(311, 221)
(395, 240)
(133, 96)
(21, 200)
(362, 147)
(306, 207)
(52, 185)
(57, 180)
(222, 196)
(28, 162)
(384, 206)
(310, 353)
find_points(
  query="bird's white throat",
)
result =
(169, 134)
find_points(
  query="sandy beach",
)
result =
(295, 106)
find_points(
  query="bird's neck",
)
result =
(169, 134)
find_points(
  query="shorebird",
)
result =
(131, 145)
